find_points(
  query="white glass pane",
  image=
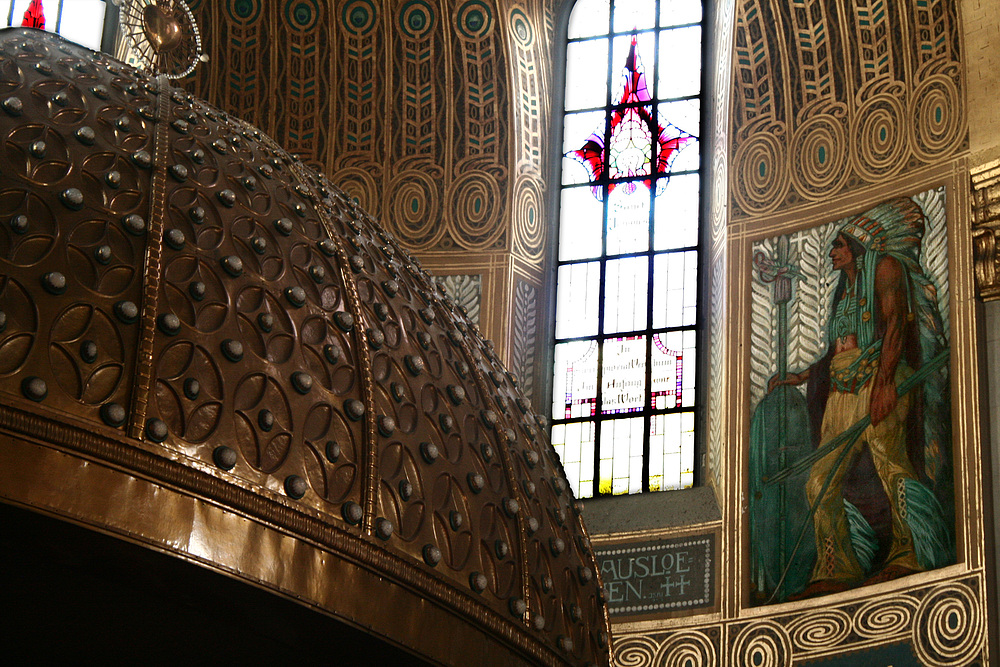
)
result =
(628, 219)
(675, 218)
(82, 22)
(586, 74)
(577, 287)
(645, 62)
(575, 445)
(623, 375)
(680, 53)
(671, 451)
(667, 377)
(574, 382)
(577, 128)
(626, 284)
(581, 221)
(675, 289)
(589, 18)
(20, 6)
(684, 115)
(621, 456)
(634, 15)
(679, 12)
(5, 12)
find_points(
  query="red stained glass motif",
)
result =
(633, 129)
(34, 16)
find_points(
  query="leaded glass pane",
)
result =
(666, 390)
(684, 341)
(82, 22)
(675, 218)
(580, 233)
(623, 79)
(575, 445)
(574, 392)
(679, 12)
(626, 283)
(634, 15)
(621, 456)
(576, 128)
(675, 289)
(671, 451)
(685, 115)
(577, 290)
(583, 89)
(623, 375)
(589, 18)
(628, 220)
(681, 47)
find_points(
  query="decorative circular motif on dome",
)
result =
(520, 29)
(762, 644)
(414, 208)
(881, 140)
(416, 19)
(819, 157)
(760, 177)
(359, 16)
(302, 14)
(529, 232)
(87, 354)
(948, 626)
(474, 19)
(18, 325)
(936, 107)
(242, 11)
(476, 207)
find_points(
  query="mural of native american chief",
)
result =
(850, 446)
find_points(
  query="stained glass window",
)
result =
(623, 407)
(80, 21)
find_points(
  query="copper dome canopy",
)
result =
(205, 347)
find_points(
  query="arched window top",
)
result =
(623, 405)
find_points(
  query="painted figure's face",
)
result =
(840, 253)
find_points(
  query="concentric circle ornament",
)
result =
(163, 36)
(302, 14)
(819, 630)
(882, 618)
(819, 157)
(359, 17)
(359, 184)
(476, 207)
(529, 232)
(880, 149)
(636, 651)
(414, 208)
(416, 19)
(948, 628)
(242, 11)
(521, 30)
(760, 175)
(938, 121)
(689, 648)
(474, 19)
(762, 644)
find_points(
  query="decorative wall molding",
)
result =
(986, 228)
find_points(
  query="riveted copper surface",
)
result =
(184, 301)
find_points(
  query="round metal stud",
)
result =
(456, 393)
(299, 209)
(386, 425)
(559, 485)
(37, 149)
(487, 450)
(317, 273)
(354, 409)
(327, 247)
(559, 515)
(565, 644)
(123, 123)
(249, 182)
(259, 245)
(142, 159)
(220, 146)
(397, 391)
(134, 224)
(462, 369)
(383, 528)
(529, 487)
(501, 549)
(232, 265)
(232, 349)
(455, 519)
(197, 215)
(538, 622)
(375, 338)
(265, 420)
(585, 574)
(381, 311)
(174, 238)
(113, 414)
(266, 322)
(455, 336)
(284, 226)
(357, 263)
(296, 296)
(489, 418)
(34, 388)
(54, 282)
(424, 339)
(391, 287)
(72, 199)
(556, 546)
(13, 106)
(511, 507)
(181, 126)
(532, 525)
(197, 290)
(302, 382)
(414, 364)
(266, 170)
(332, 451)
(156, 430)
(192, 388)
(168, 323)
(531, 458)
(19, 224)
(198, 156)
(226, 197)
(295, 487)
(61, 98)
(429, 452)
(3, 320)
(179, 172)
(546, 584)
(427, 315)
(224, 457)
(522, 404)
(127, 311)
(352, 513)
(343, 320)
(432, 555)
(517, 607)
(477, 582)
(405, 489)
(331, 353)
(447, 423)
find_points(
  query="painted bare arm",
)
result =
(791, 378)
(890, 299)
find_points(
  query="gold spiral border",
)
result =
(760, 175)
(876, 157)
(478, 227)
(948, 628)
(634, 651)
(823, 629)
(819, 157)
(883, 618)
(419, 228)
(691, 649)
(529, 230)
(762, 644)
(936, 110)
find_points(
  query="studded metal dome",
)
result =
(237, 365)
